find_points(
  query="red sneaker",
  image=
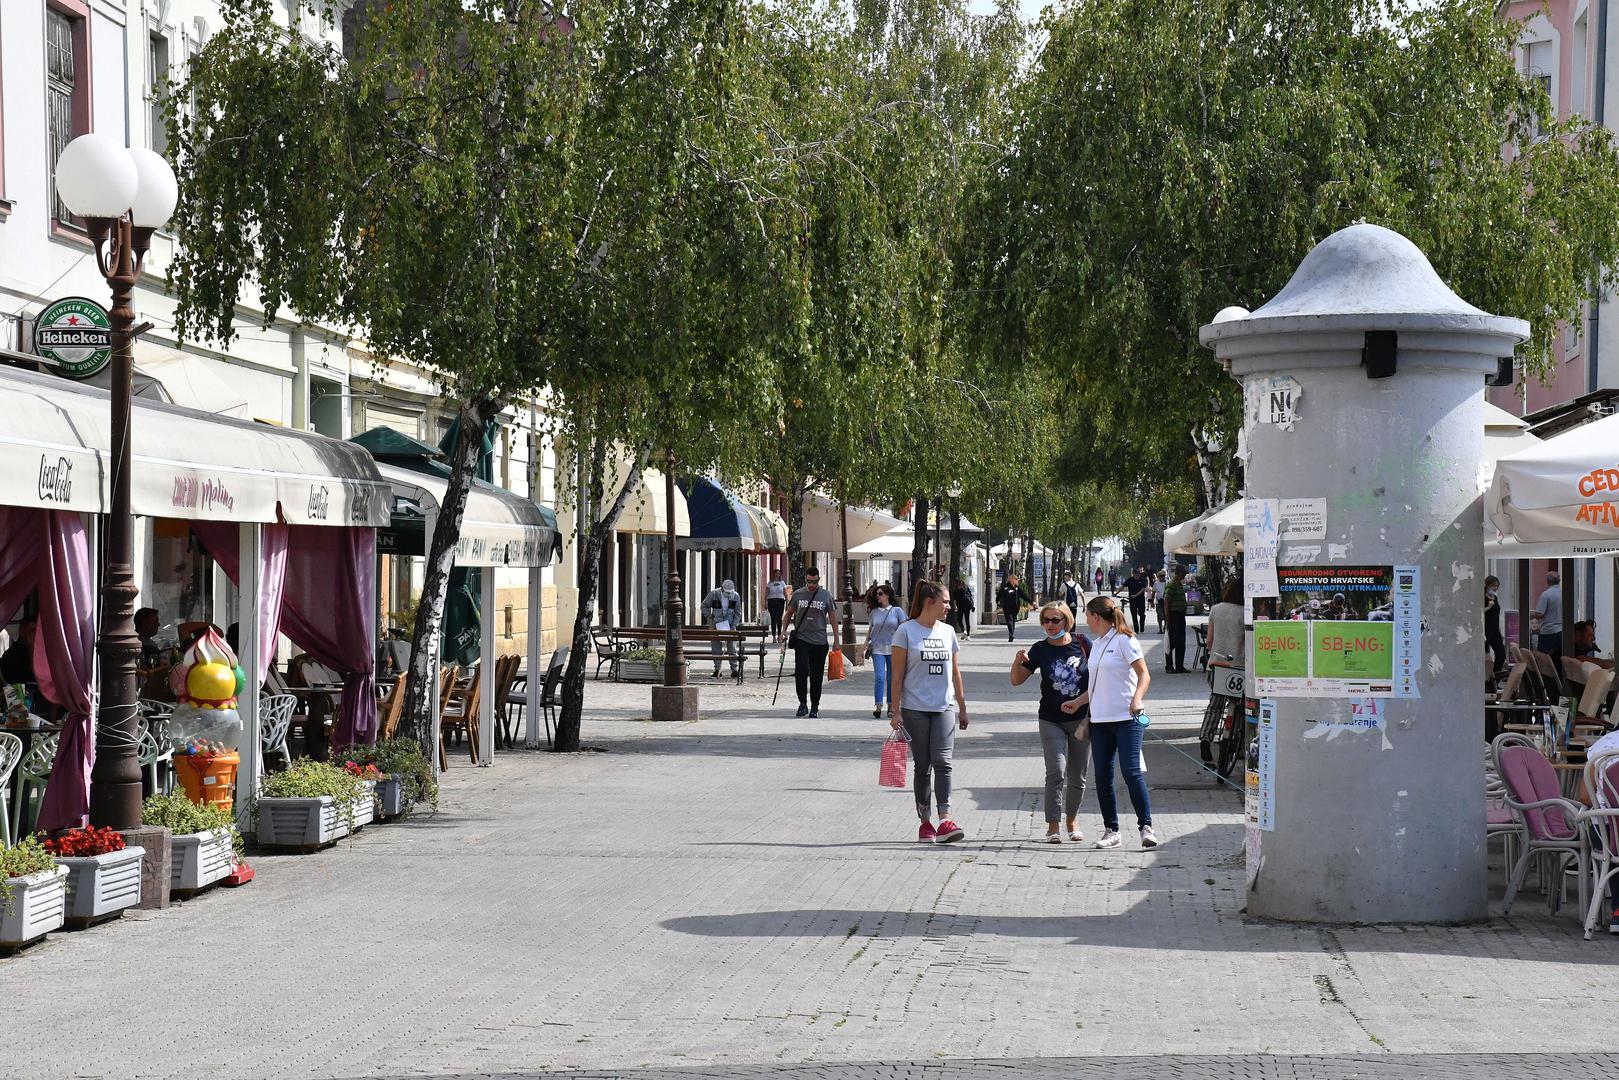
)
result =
(948, 832)
(925, 834)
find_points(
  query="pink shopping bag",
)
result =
(896, 755)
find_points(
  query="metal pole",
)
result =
(674, 658)
(848, 568)
(115, 781)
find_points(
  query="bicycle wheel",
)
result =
(1230, 745)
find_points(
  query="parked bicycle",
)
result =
(1219, 742)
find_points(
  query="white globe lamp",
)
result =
(157, 192)
(96, 177)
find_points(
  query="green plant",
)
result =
(405, 618)
(652, 656)
(402, 759)
(28, 857)
(181, 816)
(307, 779)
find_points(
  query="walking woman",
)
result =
(929, 704)
(1061, 661)
(1119, 683)
(883, 617)
(776, 601)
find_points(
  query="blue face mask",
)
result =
(1058, 636)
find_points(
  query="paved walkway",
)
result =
(738, 892)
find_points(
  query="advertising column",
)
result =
(1363, 391)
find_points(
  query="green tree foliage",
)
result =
(1177, 156)
(411, 185)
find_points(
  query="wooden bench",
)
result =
(697, 643)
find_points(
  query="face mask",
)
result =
(1490, 593)
(1058, 636)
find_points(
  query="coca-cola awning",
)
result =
(187, 464)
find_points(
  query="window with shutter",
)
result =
(67, 87)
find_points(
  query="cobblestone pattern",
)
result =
(739, 891)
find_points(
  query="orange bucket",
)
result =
(208, 778)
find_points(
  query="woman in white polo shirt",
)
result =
(1119, 682)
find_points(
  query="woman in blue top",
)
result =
(1061, 660)
(883, 617)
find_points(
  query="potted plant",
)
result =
(103, 873)
(640, 665)
(312, 804)
(408, 777)
(206, 844)
(33, 897)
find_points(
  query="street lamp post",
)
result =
(674, 655)
(124, 196)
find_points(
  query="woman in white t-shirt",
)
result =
(1119, 682)
(883, 617)
(928, 704)
(776, 602)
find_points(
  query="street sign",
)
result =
(74, 333)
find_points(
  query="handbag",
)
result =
(792, 635)
(896, 756)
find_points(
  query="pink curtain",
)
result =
(223, 541)
(327, 589)
(64, 661)
(22, 541)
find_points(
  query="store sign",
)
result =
(74, 333)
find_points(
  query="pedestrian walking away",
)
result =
(1494, 642)
(1136, 587)
(1010, 598)
(1061, 660)
(1098, 579)
(929, 705)
(882, 619)
(1070, 592)
(1548, 614)
(962, 608)
(814, 616)
(775, 603)
(1113, 579)
(1118, 685)
(1175, 622)
(722, 610)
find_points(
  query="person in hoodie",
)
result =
(722, 610)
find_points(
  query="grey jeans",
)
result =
(933, 744)
(727, 648)
(1068, 756)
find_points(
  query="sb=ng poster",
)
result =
(1339, 631)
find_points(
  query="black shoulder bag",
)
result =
(792, 635)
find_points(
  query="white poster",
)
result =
(1304, 519)
(1260, 537)
(1407, 630)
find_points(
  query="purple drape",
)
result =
(22, 540)
(64, 661)
(328, 588)
(223, 542)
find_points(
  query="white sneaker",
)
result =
(1110, 838)
(1148, 840)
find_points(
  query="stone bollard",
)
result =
(1363, 388)
(155, 864)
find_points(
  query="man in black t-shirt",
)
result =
(1135, 588)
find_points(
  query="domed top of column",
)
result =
(1360, 278)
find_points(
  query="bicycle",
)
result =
(1219, 741)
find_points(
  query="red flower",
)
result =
(80, 843)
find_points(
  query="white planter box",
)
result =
(99, 885)
(197, 860)
(38, 906)
(309, 823)
(390, 797)
(640, 671)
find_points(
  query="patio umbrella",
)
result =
(1558, 498)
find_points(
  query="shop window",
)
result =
(67, 86)
(182, 577)
(157, 91)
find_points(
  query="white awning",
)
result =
(823, 524)
(898, 544)
(1558, 498)
(499, 528)
(769, 530)
(647, 509)
(189, 379)
(187, 464)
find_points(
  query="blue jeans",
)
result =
(879, 667)
(1121, 739)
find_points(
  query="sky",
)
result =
(1030, 8)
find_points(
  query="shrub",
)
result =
(400, 758)
(181, 816)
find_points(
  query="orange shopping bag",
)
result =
(834, 665)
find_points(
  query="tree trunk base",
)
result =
(676, 704)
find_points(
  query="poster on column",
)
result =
(1260, 801)
(1338, 631)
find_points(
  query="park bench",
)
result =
(697, 642)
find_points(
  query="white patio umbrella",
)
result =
(1179, 539)
(1558, 498)
(1220, 533)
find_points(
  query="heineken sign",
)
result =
(74, 333)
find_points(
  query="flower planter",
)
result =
(38, 906)
(102, 885)
(309, 822)
(640, 671)
(199, 859)
(390, 797)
